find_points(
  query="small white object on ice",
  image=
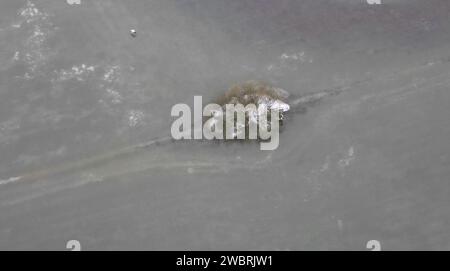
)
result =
(133, 33)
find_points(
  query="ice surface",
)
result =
(76, 90)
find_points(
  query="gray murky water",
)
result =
(76, 89)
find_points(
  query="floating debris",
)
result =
(262, 95)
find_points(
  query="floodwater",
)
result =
(77, 91)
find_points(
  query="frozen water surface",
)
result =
(77, 91)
